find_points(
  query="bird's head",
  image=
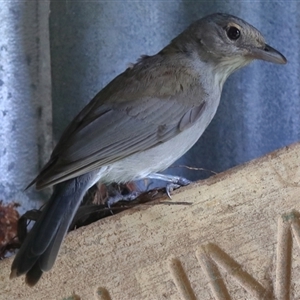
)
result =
(227, 42)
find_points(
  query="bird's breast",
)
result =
(161, 156)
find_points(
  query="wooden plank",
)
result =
(239, 239)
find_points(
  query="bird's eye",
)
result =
(233, 33)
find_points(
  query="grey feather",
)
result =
(110, 129)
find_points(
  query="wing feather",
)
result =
(132, 114)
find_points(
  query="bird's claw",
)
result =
(171, 187)
(178, 182)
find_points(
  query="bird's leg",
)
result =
(119, 197)
(173, 182)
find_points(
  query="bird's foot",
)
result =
(170, 188)
(120, 197)
(173, 182)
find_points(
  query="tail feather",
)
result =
(48, 258)
(63, 205)
(34, 274)
(40, 248)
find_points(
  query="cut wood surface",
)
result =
(240, 239)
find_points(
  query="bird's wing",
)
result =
(133, 113)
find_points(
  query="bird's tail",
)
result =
(40, 248)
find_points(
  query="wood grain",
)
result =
(240, 239)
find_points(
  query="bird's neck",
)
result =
(220, 68)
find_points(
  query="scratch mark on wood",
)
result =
(181, 280)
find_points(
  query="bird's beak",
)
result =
(268, 54)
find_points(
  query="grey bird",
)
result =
(139, 124)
